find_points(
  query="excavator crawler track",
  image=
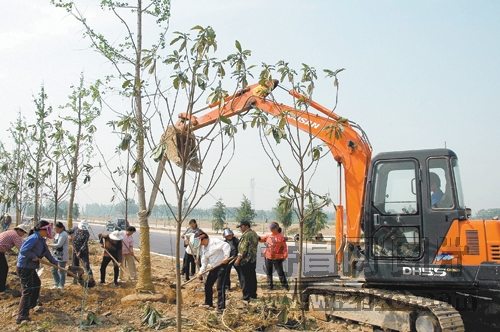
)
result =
(384, 309)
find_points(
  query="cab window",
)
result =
(440, 189)
(395, 188)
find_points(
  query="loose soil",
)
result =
(64, 310)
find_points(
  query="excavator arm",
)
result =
(349, 146)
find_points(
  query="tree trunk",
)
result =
(178, 293)
(56, 194)
(74, 162)
(144, 284)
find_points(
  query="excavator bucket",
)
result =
(176, 142)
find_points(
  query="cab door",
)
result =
(393, 221)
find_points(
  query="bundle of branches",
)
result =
(257, 315)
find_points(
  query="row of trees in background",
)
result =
(47, 156)
(315, 221)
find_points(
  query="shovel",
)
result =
(137, 259)
(206, 271)
(114, 260)
(88, 276)
(78, 273)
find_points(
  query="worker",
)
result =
(188, 261)
(81, 237)
(247, 260)
(275, 254)
(61, 253)
(128, 251)
(216, 254)
(233, 242)
(6, 221)
(437, 194)
(32, 251)
(8, 240)
(112, 244)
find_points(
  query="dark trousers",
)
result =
(30, 290)
(188, 262)
(4, 270)
(219, 275)
(277, 264)
(84, 257)
(249, 281)
(116, 269)
(227, 283)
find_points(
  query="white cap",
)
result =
(83, 225)
(116, 235)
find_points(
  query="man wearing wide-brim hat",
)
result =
(9, 240)
(112, 243)
(247, 260)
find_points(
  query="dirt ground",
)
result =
(65, 310)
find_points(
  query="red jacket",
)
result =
(276, 246)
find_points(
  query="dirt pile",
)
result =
(65, 310)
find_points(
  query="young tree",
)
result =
(315, 221)
(245, 211)
(218, 216)
(37, 147)
(127, 59)
(84, 107)
(195, 72)
(15, 168)
(283, 216)
(6, 197)
(57, 161)
(293, 126)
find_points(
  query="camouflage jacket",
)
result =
(248, 247)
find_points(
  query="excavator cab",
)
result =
(412, 200)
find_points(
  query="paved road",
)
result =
(319, 258)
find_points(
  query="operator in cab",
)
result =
(437, 193)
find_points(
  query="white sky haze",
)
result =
(419, 74)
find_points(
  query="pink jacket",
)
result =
(276, 246)
(128, 241)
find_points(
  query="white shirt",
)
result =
(190, 238)
(214, 253)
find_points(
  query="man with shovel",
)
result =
(112, 244)
(215, 254)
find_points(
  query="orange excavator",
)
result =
(409, 257)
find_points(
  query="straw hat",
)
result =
(23, 228)
(116, 235)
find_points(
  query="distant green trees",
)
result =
(487, 214)
(218, 216)
(245, 211)
(283, 216)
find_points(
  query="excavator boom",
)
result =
(346, 141)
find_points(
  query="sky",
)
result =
(419, 75)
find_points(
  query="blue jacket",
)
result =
(34, 246)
